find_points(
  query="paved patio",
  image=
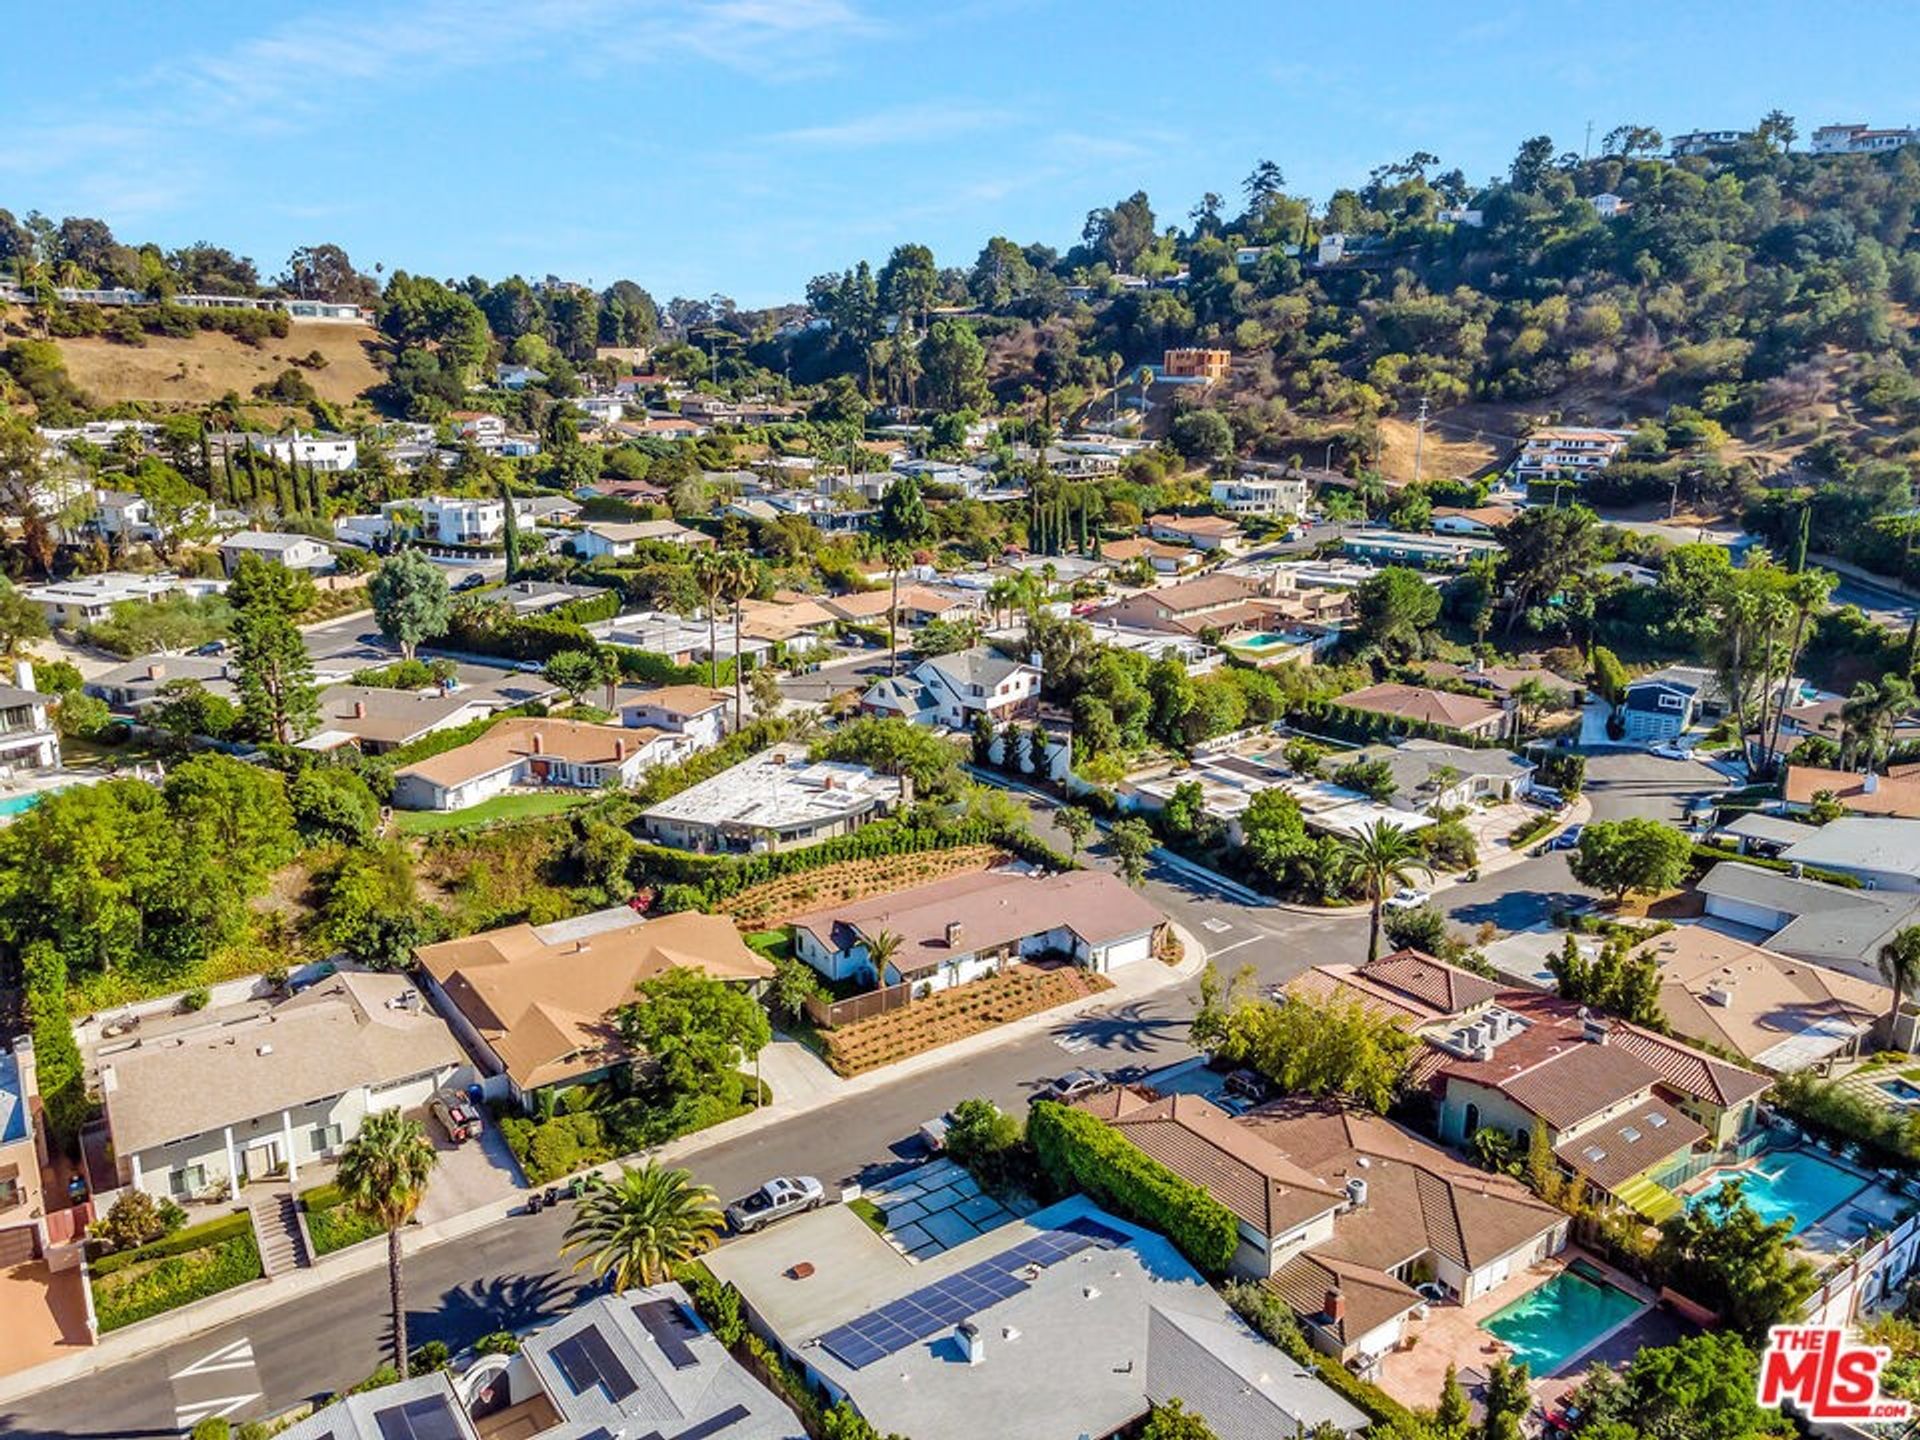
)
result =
(934, 1207)
(43, 1315)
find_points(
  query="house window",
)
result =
(188, 1180)
(324, 1138)
(1472, 1119)
(9, 1193)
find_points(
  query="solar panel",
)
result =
(587, 1362)
(671, 1330)
(713, 1425)
(428, 1419)
(946, 1302)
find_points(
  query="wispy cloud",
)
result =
(917, 124)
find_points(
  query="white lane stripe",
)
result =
(1228, 949)
(188, 1416)
(240, 1350)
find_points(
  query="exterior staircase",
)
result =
(1655, 1202)
(276, 1226)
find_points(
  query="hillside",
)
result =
(198, 369)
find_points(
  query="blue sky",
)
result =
(742, 146)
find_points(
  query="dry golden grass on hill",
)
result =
(203, 367)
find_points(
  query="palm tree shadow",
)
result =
(502, 1302)
(1130, 1029)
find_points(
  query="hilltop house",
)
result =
(1208, 533)
(953, 690)
(776, 800)
(532, 752)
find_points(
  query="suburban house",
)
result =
(918, 605)
(1209, 533)
(621, 539)
(1228, 604)
(376, 719)
(1468, 714)
(1419, 552)
(1192, 363)
(1163, 558)
(123, 516)
(1881, 852)
(1807, 919)
(1896, 793)
(89, 599)
(1066, 1322)
(776, 800)
(296, 552)
(420, 1405)
(204, 1110)
(1766, 836)
(486, 430)
(518, 377)
(537, 1003)
(536, 597)
(953, 690)
(1501, 681)
(1481, 520)
(1263, 496)
(532, 752)
(1777, 1013)
(136, 685)
(966, 926)
(449, 519)
(1230, 781)
(1341, 1211)
(1569, 450)
(680, 640)
(1860, 139)
(696, 713)
(29, 739)
(1431, 774)
(23, 1151)
(1662, 705)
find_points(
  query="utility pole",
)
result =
(1586, 150)
(1419, 439)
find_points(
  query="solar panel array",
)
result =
(670, 1329)
(428, 1419)
(588, 1361)
(945, 1303)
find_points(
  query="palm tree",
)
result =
(637, 1228)
(1807, 593)
(1380, 859)
(1900, 967)
(738, 577)
(896, 555)
(881, 948)
(708, 574)
(383, 1174)
(1530, 701)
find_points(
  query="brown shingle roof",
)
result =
(1372, 1297)
(1628, 1145)
(1894, 794)
(682, 700)
(1447, 988)
(513, 740)
(1566, 1088)
(1414, 702)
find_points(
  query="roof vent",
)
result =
(1357, 1192)
(955, 930)
(1720, 993)
(800, 1271)
(972, 1342)
(266, 1049)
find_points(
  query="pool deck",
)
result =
(1872, 1207)
(1452, 1334)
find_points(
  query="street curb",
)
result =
(202, 1316)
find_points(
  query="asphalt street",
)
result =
(510, 1275)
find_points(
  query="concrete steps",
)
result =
(276, 1225)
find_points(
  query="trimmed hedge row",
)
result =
(1082, 1152)
(659, 670)
(1706, 856)
(168, 1274)
(194, 1237)
(1346, 723)
(332, 1224)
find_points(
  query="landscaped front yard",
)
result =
(780, 900)
(190, 1265)
(332, 1224)
(953, 1014)
(489, 812)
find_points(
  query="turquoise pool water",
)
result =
(13, 805)
(1905, 1092)
(1549, 1326)
(1794, 1185)
(1263, 640)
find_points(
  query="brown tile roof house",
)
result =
(1895, 794)
(1780, 1013)
(917, 603)
(683, 700)
(542, 999)
(1141, 548)
(1616, 1150)
(1467, 713)
(379, 719)
(529, 750)
(970, 914)
(1408, 985)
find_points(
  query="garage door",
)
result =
(407, 1095)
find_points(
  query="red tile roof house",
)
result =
(962, 928)
(1467, 714)
(1340, 1211)
(1201, 532)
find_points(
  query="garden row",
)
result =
(955, 1013)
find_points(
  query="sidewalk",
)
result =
(811, 1087)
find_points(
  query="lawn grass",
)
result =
(875, 1217)
(490, 812)
(774, 944)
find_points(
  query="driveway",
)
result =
(469, 1176)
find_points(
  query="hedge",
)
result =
(332, 1224)
(1080, 1151)
(1705, 856)
(586, 611)
(659, 670)
(1346, 723)
(194, 1237)
(175, 1275)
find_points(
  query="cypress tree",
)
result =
(510, 534)
(1797, 556)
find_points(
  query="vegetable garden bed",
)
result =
(953, 1014)
(780, 900)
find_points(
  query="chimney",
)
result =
(23, 674)
(1335, 1307)
(619, 749)
(954, 931)
(359, 709)
(155, 671)
(539, 743)
(972, 1342)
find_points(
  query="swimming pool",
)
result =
(1566, 1316)
(1902, 1092)
(1265, 640)
(1794, 1185)
(12, 805)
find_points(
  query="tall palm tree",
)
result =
(1380, 859)
(738, 577)
(881, 949)
(1900, 966)
(708, 575)
(1807, 593)
(637, 1228)
(383, 1174)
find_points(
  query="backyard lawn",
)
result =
(501, 807)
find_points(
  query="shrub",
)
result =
(497, 1342)
(141, 1290)
(196, 1237)
(1080, 1152)
(214, 1427)
(136, 1219)
(430, 1357)
(993, 1145)
(332, 1224)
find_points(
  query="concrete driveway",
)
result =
(481, 1172)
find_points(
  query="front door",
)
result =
(263, 1159)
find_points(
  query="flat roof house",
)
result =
(1468, 714)
(1777, 1013)
(1881, 852)
(1421, 552)
(619, 539)
(954, 690)
(537, 1003)
(1263, 495)
(776, 800)
(967, 926)
(532, 752)
(239, 1099)
(1068, 1322)
(296, 552)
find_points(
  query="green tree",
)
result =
(1274, 834)
(1321, 1045)
(371, 911)
(272, 670)
(1453, 1417)
(1173, 1421)
(1376, 862)
(904, 516)
(1202, 435)
(794, 983)
(22, 622)
(955, 365)
(1396, 608)
(1185, 808)
(1699, 1388)
(1899, 961)
(1507, 1400)
(1723, 1254)
(383, 1174)
(1077, 825)
(575, 671)
(231, 818)
(187, 708)
(509, 531)
(1544, 549)
(1609, 677)
(637, 1229)
(1131, 842)
(694, 1029)
(334, 804)
(411, 602)
(1639, 856)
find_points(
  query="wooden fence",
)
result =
(830, 1015)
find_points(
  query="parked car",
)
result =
(1243, 1090)
(1408, 897)
(1567, 839)
(1668, 750)
(457, 1115)
(212, 647)
(1072, 1085)
(1545, 797)
(777, 1199)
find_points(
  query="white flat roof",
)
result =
(779, 789)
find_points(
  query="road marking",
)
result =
(188, 1416)
(236, 1356)
(1228, 949)
(1215, 924)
